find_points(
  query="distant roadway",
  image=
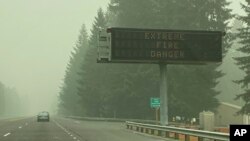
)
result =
(64, 129)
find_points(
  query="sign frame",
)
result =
(112, 31)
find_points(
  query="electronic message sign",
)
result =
(165, 46)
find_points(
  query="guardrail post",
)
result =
(156, 132)
(176, 135)
(147, 130)
(142, 129)
(167, 134)
(187, 138)
(159, 133)
(200, 139)
(151, 131)
(132, 127)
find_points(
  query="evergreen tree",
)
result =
(2, 102)
(191, 88)
(140, 81)
(244, 61)
(132, 13)
(232, 72)
(10, 103)
(92, 81)
(69, 100)
(12, 100)
(124, 90)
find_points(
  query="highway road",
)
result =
(64, 129)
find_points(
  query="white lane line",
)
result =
(6, 134)
(76, 121)
(20, 127)
(66, 131)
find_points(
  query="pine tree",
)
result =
(244, 61)
(69, 99)
(133, 13)
(191, 88)
(107, 89)
(196, 83)
(139, 81)
(91, 88)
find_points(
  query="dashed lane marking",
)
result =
(76, 121)
(20, 127)
(66, 131)
(7, 134)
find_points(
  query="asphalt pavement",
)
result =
(64, 129)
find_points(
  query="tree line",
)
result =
(10, 103)
(124, 90)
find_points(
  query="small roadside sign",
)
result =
(154, 102)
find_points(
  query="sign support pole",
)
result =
(163, 95)
(157, 115)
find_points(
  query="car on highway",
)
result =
(43, 116)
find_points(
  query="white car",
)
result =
(43, 116)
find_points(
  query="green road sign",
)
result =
(154, 102)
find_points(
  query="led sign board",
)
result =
(166, 46)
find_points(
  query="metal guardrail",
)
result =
(122, 120)
(165, 131)
(151, 127)
(112, 119)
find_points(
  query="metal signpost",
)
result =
(155, 103)
(160, 46)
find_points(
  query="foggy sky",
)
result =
(36, 38)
